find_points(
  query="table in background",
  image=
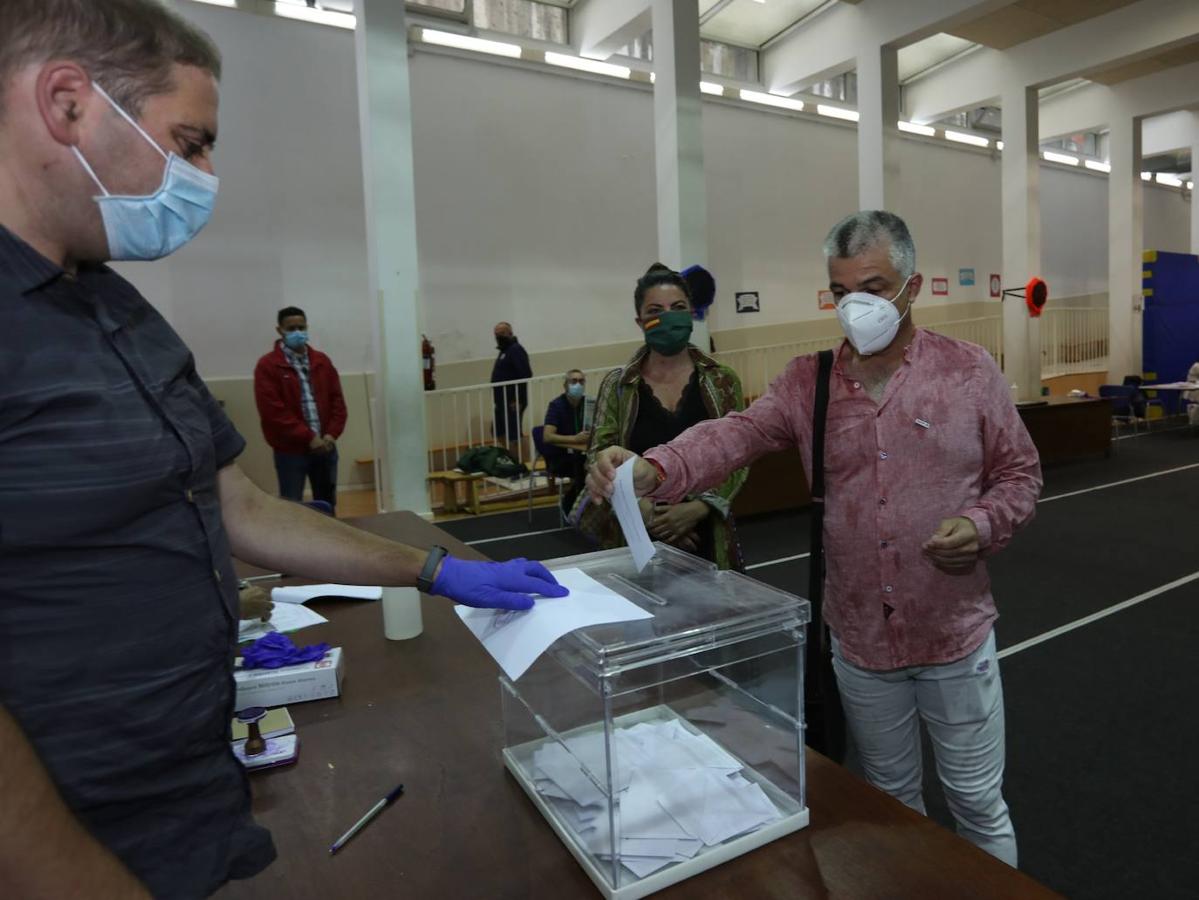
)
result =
(1069, 428)
(426, 712)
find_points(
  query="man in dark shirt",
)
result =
(566, 433)
(120, 502)
(510, 400)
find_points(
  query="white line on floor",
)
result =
(1095, 617)
(775, 562)
(1112, 484)
(512, 537)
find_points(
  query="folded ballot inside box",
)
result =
(317, 680)
(657, 748)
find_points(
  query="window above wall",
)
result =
(715, 57)
(522, 18)
(727, 60)
(455, 8)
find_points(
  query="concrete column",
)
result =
(1194, 177)
(878, 110)
(679, 140)
(1021, 235)
(1125, 231)
(385, 115)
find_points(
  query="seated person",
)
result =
(565, 435)
(665, 388)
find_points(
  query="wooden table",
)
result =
(1068, 428)
(426, 712)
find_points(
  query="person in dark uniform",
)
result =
(510, 400)
(121, 503)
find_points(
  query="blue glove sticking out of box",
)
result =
(489, 585)
(276, 650)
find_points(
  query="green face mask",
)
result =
(668, 332)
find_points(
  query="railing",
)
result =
(986, 331)
(460, 418)
(1073, 340)
(758, 366)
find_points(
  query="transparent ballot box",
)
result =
(659, 748)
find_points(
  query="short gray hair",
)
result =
(570, 372)
(128, 47)
(857, 233)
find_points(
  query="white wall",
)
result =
(1167, 220)
(1073, 232)
(289, 227)
(535, 204)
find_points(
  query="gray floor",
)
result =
(1102, 720)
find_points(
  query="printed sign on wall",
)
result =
(966, 277)
(996, 290)
(748, 302)
(940, 287)
(825, 300)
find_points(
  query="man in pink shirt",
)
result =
(928, 470)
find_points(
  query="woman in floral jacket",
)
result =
(663, 390)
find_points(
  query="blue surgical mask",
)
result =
(158, 224)
(576, 390)
(296, 340)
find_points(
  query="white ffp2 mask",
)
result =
(870, 322)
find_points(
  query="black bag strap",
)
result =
(816, 484)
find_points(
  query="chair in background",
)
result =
(1142, 401)
(1121, 396)
(551, 480)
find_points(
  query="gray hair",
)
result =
(570, 372)
(862, 231)
(128, 47)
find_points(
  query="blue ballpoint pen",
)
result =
(370, 814)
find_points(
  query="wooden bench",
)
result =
(449, 481)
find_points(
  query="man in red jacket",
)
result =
(302, 410)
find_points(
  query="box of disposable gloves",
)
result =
(316, 680)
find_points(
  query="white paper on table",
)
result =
(628, 513)
(305, 592)
(516, 638)
(284, 617)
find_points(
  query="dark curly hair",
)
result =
(656, 276)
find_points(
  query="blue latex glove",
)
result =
(490, 585)
(277, 650)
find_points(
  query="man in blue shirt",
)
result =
(566, 434)
(120, 499)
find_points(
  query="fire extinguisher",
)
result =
(428, 364)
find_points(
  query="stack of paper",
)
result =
(290, 614)
(284, 617)
(676, 791)
(304, 592)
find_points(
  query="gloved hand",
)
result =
(490, 585)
